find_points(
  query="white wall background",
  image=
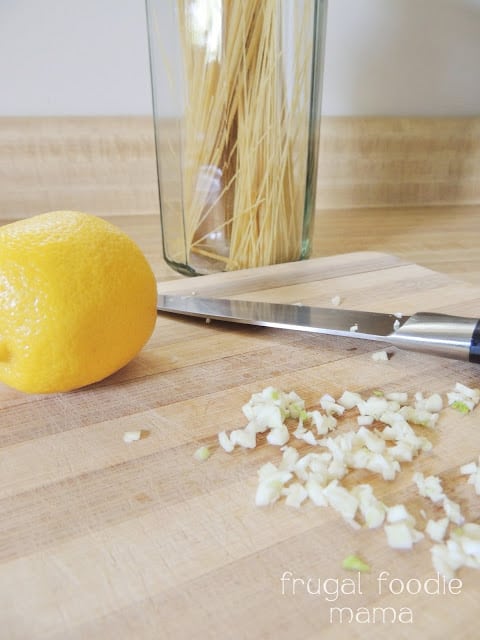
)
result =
(383, 57)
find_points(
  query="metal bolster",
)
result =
(438, 334)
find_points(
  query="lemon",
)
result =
(77, 301)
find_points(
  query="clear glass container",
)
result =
(236, 90)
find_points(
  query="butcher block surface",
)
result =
(101, 539)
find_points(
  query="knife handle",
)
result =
(440, 334)
(474, 354)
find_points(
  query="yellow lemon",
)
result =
(77, 301)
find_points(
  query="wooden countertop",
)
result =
(441, 238)
(104, 540)
(407, 186)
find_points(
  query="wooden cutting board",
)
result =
(101, 539)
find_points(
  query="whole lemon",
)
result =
(77, 301)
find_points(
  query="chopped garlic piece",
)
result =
(267, 471)
(468, 469)
(315, 492)
(295, 494)
(452, 511)
(316, 463)
(336, 300)
(371, 440)
(469, 537)
(379, 356)
(329, 405)
(303, 434)
(399, 513)
(401, 535)
(397, 396)
(462, 549)
(354, 327)
(341, 500)
(372, 509)
(225, 441)
(434, 403)
(461, 406)
(278, 436)
(364, 421)
(474, 394)
(354, 563)
(463, 398)
(309, 438)
(290, 457)
(336, 470)
(373, 406)
(446, 560)
(349, 399)
(384, 465)
(429, 487)
(245, 438)
(322, 423)
(202, 453)
(265, 415)
(131, 436)
(475, 480)
(268, 492)
(472, 470)
(270, 486)
(437, 529)
(420, 416)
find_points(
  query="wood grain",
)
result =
(392, 162)
(378, 181)
(101, 165)
(104, 540)
(106, 165)
(99, 539)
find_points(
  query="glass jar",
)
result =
(236, 90)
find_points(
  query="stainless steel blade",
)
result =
(339, 322)
(432, 333)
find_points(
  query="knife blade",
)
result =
(439, 334)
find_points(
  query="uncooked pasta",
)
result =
(246, 130)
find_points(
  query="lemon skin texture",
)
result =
(77, 301)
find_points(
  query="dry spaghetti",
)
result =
(246, 131)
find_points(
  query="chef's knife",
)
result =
(432, 333)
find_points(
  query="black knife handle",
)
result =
(474, 354)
